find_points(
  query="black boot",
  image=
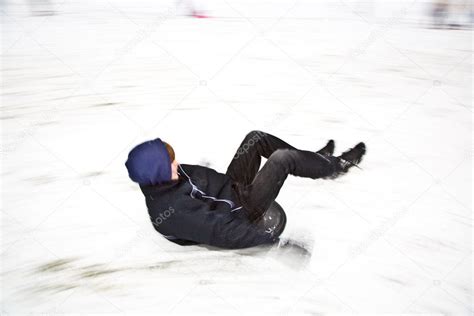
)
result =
(327, 150)
(351, 157)
(347, 160)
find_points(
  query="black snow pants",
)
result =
(257, 189)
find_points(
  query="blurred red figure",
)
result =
(189, 8)
(199, 15)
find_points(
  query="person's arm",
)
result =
(217, 228)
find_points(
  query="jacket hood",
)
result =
(149, 163)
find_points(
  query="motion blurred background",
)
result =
(85, 81)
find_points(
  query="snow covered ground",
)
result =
(81, 87)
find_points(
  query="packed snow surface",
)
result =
(85, 81)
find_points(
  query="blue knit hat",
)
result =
(149, 163)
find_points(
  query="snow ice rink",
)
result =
(82, 86)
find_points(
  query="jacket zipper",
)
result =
(204, 195)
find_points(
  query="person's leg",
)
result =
(259, 195)
(257, 144)
(246, 162)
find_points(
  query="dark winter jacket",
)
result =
(202, 208)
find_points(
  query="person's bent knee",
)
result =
(255, 135)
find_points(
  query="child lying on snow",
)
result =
(191, 204)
